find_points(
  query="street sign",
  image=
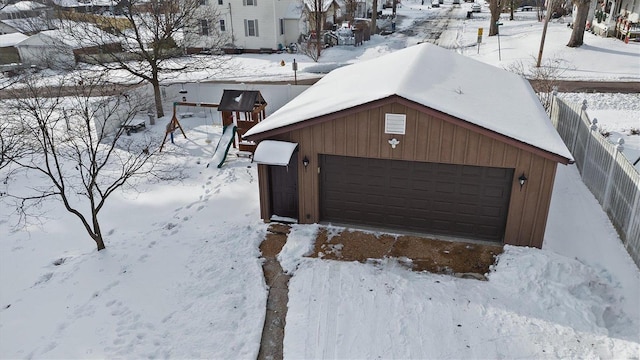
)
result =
(480, 31)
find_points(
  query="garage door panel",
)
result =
(469, 201)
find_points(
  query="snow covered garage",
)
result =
(437, 144)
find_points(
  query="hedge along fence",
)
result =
(604, 169)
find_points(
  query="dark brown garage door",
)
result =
(458, 200)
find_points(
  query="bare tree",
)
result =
(512, 5)
(543, 78)
(494, 8)
(153, 34)
(350, 9)
(579, 25)
(11, 145)
(78, 154)
(313, 47)
(374, 17)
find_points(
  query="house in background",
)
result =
(27, 17)
(331, 11)
(23, 10)
(55, 49)
(256, 25)
(8, 52)
(444, 145)
(6, 28)
(614, 17)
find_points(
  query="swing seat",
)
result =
(186, 115)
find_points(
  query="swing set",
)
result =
(175, 124)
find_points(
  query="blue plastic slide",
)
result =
(220, 154)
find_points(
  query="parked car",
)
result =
(435, 3)
(475, 7)
(456, 2)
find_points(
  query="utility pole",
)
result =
(544, 31)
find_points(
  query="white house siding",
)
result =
(292, 31)
(268, 14)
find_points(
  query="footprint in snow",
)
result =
(43, 279)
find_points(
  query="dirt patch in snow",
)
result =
(418, 253)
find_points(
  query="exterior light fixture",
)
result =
(305, 162)
(522, 179)
(394, 142)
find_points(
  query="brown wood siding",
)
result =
(428, 138)
(265, 194)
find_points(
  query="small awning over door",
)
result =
(273, 152)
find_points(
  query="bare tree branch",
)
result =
(76, 149)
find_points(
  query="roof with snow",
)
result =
(8, 40)
(22, 6)
(325, 4)
(294, 11)
(94, 37)
(441, 79)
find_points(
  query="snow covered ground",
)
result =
(181, 275)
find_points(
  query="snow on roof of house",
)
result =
(28, 25)
(311, 5)
(22, 6)
(441, 79)
(74, 42)
(294, 11)
(7, 40)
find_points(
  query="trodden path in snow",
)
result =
(271, 343)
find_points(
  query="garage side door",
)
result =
(456, 200)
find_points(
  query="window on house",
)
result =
(250, 2)
(251, 28)
(281, 26)
(203, 2)
(204, 27)
(223, 26)
(220, 2)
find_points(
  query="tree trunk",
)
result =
(100, 242)
(319, 21)
(158, 97)
(577, 35)
(511, 5)
(495, 17)
(374, 16)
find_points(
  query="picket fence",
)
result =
(607, 173)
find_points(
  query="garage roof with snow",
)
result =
(441, 79)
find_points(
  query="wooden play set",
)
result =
(244, 108)
(240, 108)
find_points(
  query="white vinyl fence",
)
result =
(607, 173)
